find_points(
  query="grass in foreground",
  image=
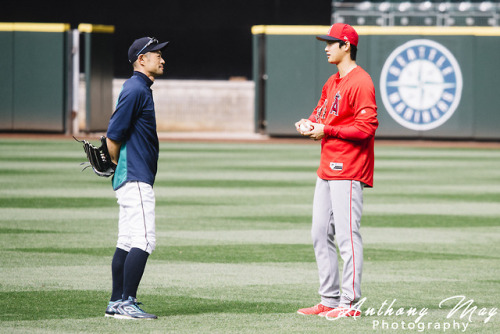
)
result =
(234, 252)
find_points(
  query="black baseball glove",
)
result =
(99, 158)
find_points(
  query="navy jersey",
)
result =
(133, 124)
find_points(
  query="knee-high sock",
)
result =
(117, 265)
(132, 272)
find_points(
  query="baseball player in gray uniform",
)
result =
(345, 120)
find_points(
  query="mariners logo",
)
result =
(421, 84)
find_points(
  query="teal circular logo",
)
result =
(421, 84)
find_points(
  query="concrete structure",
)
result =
(196, 105)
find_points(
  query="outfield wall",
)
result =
(40, 68)
(430, 82)
(34, 76)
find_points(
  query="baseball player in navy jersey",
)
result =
(133, 145)
(345, 120)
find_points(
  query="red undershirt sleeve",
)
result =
(345, 132)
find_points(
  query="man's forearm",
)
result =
(348, 133)
(113, 149)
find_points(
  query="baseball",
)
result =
(305, 127)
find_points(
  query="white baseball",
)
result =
(305, 127)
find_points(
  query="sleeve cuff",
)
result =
(331, 131)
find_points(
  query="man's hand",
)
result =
(317, 132)
(299, 123)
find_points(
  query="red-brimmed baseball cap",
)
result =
(340, 32)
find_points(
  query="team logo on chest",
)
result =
(421, 84)
(335, 105)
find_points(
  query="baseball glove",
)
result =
(98, 158)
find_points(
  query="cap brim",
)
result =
(327, 38)
(157, 47)
(150, 48)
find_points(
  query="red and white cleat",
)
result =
(317, 309)
(341, 312)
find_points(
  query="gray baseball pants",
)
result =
(337, 210)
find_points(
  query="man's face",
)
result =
(334, 52)
(153, 63)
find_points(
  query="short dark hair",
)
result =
(354, 49)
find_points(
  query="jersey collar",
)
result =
(144, 77)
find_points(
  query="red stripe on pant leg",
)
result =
(352, 245)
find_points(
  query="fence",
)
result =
(430, 82)
(37, 85)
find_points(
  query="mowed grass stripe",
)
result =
(444, 197)
(24, 231)
(56, 202)
(38, 159)
(244, 253)
(73, 304)
(36, 305)
(258, 253)
(425, 220)
(105, 202)
(232, 183)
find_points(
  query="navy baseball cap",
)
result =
(144, 45)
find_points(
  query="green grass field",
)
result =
(234, 252)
